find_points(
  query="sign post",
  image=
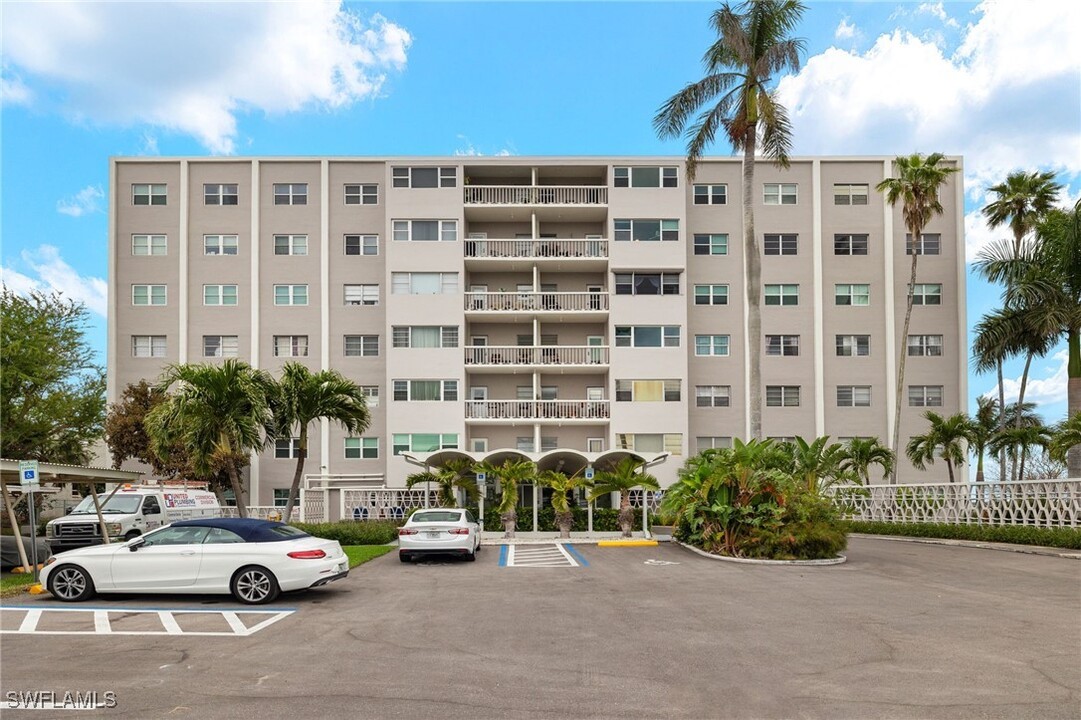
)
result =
(28, 478)
(482, 490)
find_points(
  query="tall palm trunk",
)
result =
(238, 490)
(979, 465)
(1020, 405)
(294, 489)
(626, 515)
(1073, 397)
(915, 233)
(949, 469)
(1001, 422)
(754, 290)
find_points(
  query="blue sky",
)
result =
(999, 83)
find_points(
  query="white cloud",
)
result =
(84, 202)
(938, 11)
(194, 67)
(845, 30)
(1051, 388)
(467, 149)
(148, 144)
(53, 274)
(13, 91)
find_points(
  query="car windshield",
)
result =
(117, 504)
(436, 516)
(288, 531)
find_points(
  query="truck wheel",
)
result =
(70, 583)
(254, 585)
(132, 534)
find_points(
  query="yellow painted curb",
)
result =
(36, 589)
(626, 543)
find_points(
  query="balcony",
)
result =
(541, 411)
(536, 195)
(551, 253)
(549, 359)
(520, 306)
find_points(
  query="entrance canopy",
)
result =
(565, 460)
(60, 473)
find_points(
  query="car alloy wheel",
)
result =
(254, 585)
(69, 584)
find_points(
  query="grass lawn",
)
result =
(360, 554)
(11, 584)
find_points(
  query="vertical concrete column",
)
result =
(110, 351)
(324, 299)
(962, 293)
(892, 397)
(817, 300)
(253, 469)
(182, 341)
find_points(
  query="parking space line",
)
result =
(577, 555)
(102, 623)
(30, 622)
(554, 555)
(169, 623)
(234, 622)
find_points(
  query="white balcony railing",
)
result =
(551, 355)
(536, 249)
(536, 301)
(536, 409)
(536, 195)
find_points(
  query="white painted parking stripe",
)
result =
(103, 626)
(169, 623)
(101, 622)
(554, 555)
(234, 622)
(30, 622)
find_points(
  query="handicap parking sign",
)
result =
(28, 472)
(589, 473)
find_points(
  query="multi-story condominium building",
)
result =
(590, 305)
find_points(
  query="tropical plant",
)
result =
(1067, 435)
(562, 485)
(301, 397)
(946, 438)
(857, 457)
(916, 186)
(220, 413)
(981, 428)
(622, 477)
(509, 475)
(753, 46)
(1021, 201)
(1019, 441)
(453, 475)
(817, 464)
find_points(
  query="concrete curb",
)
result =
(1001, 547)
(754, 561)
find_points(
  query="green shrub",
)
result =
(1069, 538)
(604, 520)
(349, 532)
(809, 529)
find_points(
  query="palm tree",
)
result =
(561, 485)
(623, 477)
(1067, 434)
(981, 427)
(752, 47)
(220, 413)
(916, 186)
(1018, 442)
(302, 397)
(817, 463)
(1021, 201)
(455, 474)
(510, 475)
(860, 454)
(946, 436)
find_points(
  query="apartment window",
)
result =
(426, 390)
(290, 346)
(710, 194)
(290, 294)
(147, 294)
(928, 244)
(647, 336)
(371, 394)
(711, 244)
(361, 244)
(782, 294)
(779, 244)
(645, 177)
(853, 345)
(479, 445)
(290, 244)
(148, 194)
(671, 443)
(711, 442)
(424, 177)
(852, 295)
(850, 244)
(647, 283)
(424, 442)
(853, 396)
(425, 230)
(145, 346)
(927, 294)
(424, 283)
(712, 395)
(710, 294)
(779, 194)
(707, 345)
(646, 230)
(361, 345)
(648, 391)
(219, 194)
(924, 345)
(423, 336)
(219, 245)
(361, 294)
(361, 194)
(285, 448)
(220, 345)
(782, 345)
(281, 497)
(290, 193)
(849, 194)
(219, 295)
(782, 396)
(149, 245)
(782, 439)
(358, 448)
(925, 396)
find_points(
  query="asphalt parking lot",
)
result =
(900, 631)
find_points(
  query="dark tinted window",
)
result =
(221, 536)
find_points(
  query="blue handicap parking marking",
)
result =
(577, 554)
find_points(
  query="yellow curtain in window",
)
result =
(649, 390)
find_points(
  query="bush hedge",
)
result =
(350, 532)
(604, 520)
(1069, 538)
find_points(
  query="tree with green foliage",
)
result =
(859, 454)
(946, 437)
(622, 477)
(817, 464)
(562, 486)
(52, 392)
(509, 476)
(738, 97)
(453, 475)
(1067, 435)
(127, 439)
(982, 427)
(1018, 442)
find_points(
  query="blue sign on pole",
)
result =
(589, 472)
(28, 472)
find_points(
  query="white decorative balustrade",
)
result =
(385, 503)
(514, 355)
(536, 410)
(536, 195)
(527, 249)
(536, 302)
(261, 512)
(652, 498)
(1040, 503)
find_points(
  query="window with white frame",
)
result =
(426, 390)
(924, 345)
(220, 295)
(648, 391)
(853, 396)
(853, 345)
(641, 283)
(850, 244)
(281, 497)
(927, 294)
(221, 346)
(782, 345)
(361, 244)
(424, 442)
(149, 245)
(290, 294)
(367, 294)
(711, 244)
(711, 442)
(710, 294)
(362, 448)
(711, 345)
(645, 177)
(782, 439)
(290, 193)
(287, 448)
(478, 445)
(647, 336)
(424, 336)
(925, 396)
(779, 193)
(147, 346)
(671, 443)
(361, 194)
(424, 283)
(290, 244)
(371, 394)
(638, 230)
(148, 295)
(220, 194)
(290, 346)
(710, 194)
(848, 294)
(780, 244)
(782, 395)
(782, 294)
(928, 244)
(424, 177)
(850, 193)
(425, 230)
(712, 395)
(219, 245)
(361, 346)
(148, 194)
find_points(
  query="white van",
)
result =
(129, 512)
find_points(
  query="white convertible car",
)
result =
(254, 560)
